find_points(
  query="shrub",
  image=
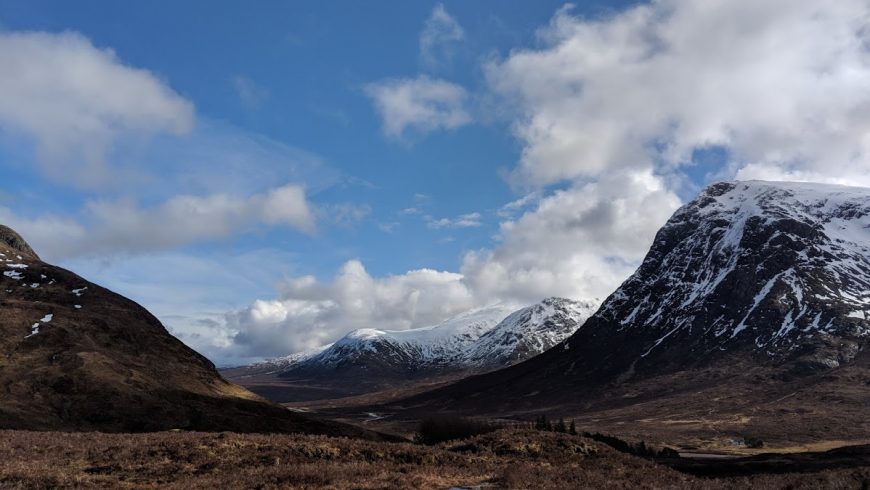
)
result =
(753, 442)
(639, 449)
(440, 428)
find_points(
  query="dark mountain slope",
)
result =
(76, 356)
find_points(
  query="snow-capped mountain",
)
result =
(488, 337)
(368, 359)
(783, 268)
(528, 332)
(433, 347)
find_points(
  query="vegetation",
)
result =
(501, 459)
(441, 428)
(753, 442)
(638, 449)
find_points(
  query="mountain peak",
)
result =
(14, 241)
(782, 268)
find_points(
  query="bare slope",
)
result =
(76, 356)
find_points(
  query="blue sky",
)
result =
(267, 177)
(309, 63)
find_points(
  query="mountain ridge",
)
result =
(476, 341)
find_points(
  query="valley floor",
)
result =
(503, 459)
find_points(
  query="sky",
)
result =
(267, 177)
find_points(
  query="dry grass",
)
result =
(503, 459)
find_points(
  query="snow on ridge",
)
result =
(466, 340)
(530, 331)
(294, 358)
(788, 256)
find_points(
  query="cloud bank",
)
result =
(309, 313)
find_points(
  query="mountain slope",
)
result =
(753, 288)
(76, 356)
(369, 360)
(781, 269)
(528, 332)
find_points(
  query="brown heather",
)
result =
(503, 459)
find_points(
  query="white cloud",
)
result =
(250, 92)
(470, 220)
(419, 104)
(511, 208)
(581, 242)
(781, 85)
(76, 101)
(309, 313)
(113, 227)
(440, 32)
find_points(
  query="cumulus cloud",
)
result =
(419, 104)
(512, 208)
(76, 101)
(112, 227)
(579, 242)
(616, 107)
(440, 32)
(309, 313)
(783, 85)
